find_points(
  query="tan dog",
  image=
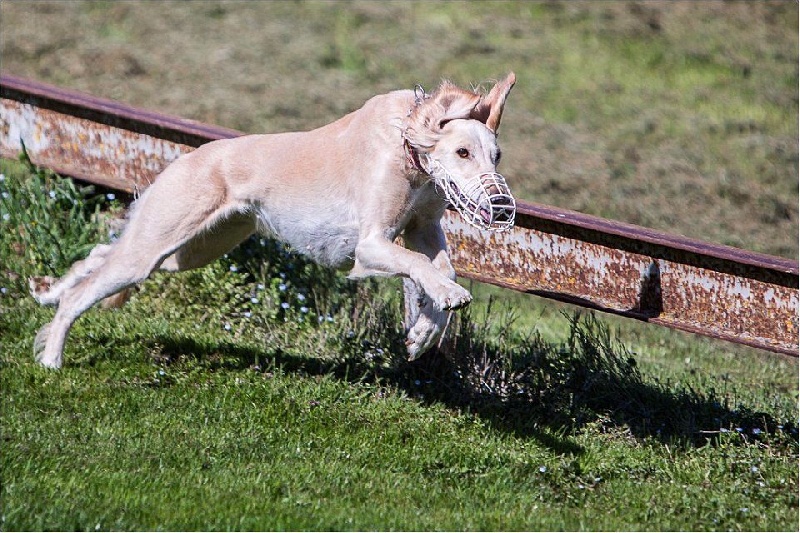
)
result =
(340, 194)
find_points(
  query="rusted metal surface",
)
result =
(92, 138)
(759, 309)
(673, 281)
(84, 149)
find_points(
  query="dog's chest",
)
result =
(425, 204)
(326, 237)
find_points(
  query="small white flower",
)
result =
(234, 268)
(282, 287)
(285, 305)
(111, 196)
(542, 469)
(2, 177)
(227, 327)
(3, 290)
(254, 300)
(301, 297)
(282, 275)
(248, 314)
(304, 309)
(260, 286)
(52, 194)
(6, 217)
(5, 195)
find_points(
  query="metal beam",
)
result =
(674, 281)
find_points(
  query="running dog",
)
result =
(340, 194)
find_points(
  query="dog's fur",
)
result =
(340, 194)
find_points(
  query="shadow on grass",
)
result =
(530, 388)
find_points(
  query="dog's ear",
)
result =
(455, 104)
(490, 108)
(450, 102)
(427, 120)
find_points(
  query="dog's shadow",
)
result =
(559, 399)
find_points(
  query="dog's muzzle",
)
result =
(485, 202)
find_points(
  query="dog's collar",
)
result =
(412, 158)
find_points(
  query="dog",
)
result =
(341, 194)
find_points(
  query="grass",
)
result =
(194, 407)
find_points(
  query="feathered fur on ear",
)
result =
(447, 103)
(490, 109)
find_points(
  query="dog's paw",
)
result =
(425, 332)
(40, 287)
(40, 351)
(455, 297)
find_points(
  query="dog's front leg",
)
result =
(425, 324)
(378, 256)
(430, 288)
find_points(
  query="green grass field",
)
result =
(271, 394)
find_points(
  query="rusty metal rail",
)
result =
(682, 283)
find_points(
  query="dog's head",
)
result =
(454, 133)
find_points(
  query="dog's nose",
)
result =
(490, 186)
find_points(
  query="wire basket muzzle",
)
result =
(485, 202)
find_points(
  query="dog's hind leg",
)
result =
(161, 223)
(119, 270)
(48, 290)
(212, 243)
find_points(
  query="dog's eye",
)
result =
(463, 153)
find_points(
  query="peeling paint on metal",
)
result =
(122, 159)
